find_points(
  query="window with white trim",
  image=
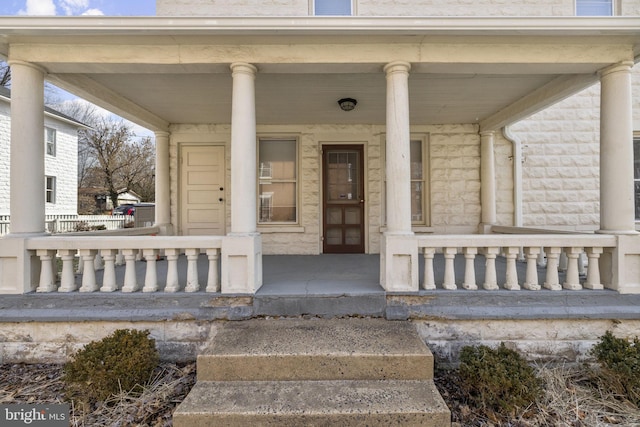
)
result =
(419, 184)
(50, 136)
(594, 7)
(50, 189)
(278, 181)
(636, 174)
(332, 8)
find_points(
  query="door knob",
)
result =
(221, 189)
(220, 199)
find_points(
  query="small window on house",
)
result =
(50, 141)
(278, 181)
(636, 174)
(594, 7)
(417, 182)
(50, 189)
(332, 8)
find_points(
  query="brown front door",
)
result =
(343, 204)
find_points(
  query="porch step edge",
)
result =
(294, 403)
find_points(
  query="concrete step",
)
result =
(316, 349)
(313, 403)
(314, 372)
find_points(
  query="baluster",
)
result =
(511, 282)
(213, 279)
(173, 284)
(531, 280)
(593, 269)
(87, 257)
(130, 280)
(428, 281)
(572, 279)
(192, 270)
(470, 268)
(449, 269)
(67, 278)
(98, 262)
(542, 260)
(109, 275)
(120, 258)
(490, 278)
(151, 275)
(553, 281)
(47, 278)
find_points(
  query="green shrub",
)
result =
(498, 380)
(122, 361)
(620, 364)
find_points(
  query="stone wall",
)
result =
(453, 196)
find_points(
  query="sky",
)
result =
(78, 7)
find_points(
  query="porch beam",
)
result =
(556, 90)
(87, 88)
(426, 56)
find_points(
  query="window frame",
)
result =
(263, 177)
(50, 147)
(613, 8)
(50, 190)
(636, 180)
(425, 223)
(352, 9)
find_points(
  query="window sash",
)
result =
(636, 175)
(278, 181)
(50, 136)
(594, 7)
(332, 8)
(416, 157)
(50, 189)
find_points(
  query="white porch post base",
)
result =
(19, 268)
(241, 263)
(620, 266)
(399, 263)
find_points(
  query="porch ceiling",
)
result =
(159, 71)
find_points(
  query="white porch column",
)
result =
(163, 184)
(399, 251)
(617, 214)
(242, 248)
(487, 181)
(27, 148)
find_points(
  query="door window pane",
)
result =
(332, 7)
(278, 187)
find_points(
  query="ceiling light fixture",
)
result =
(347, 104)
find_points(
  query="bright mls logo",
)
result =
(34, 415)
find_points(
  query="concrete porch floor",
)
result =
(324, 286)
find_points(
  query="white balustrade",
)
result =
(106, 254)
(538, 251)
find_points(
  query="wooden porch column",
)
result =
(242, 248)
(163, 184)
(487, 181)
(399, 250)
(27, 148)
(617, 215)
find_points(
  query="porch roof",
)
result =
(484, 70)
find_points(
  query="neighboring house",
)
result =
(380, 132)
(60, 145)
(97, 200)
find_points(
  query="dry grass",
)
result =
(153, 407)
(573, 397)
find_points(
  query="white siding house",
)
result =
(60, 144)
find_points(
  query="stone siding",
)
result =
(453, 197)
(5, 167)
